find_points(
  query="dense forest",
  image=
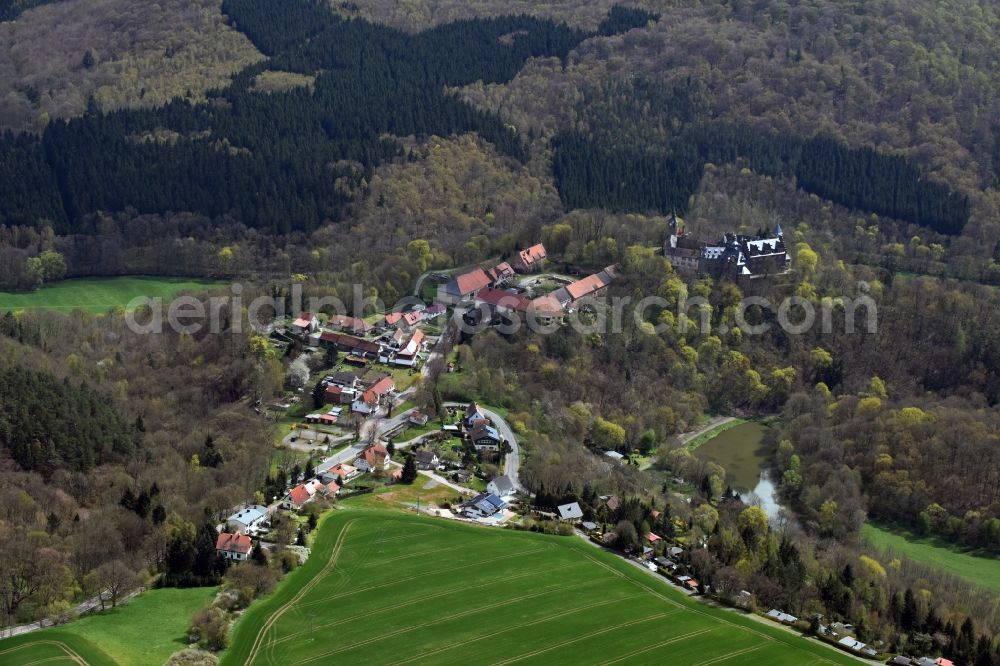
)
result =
(46, 424)
(596, 176)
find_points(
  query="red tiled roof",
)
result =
(348, 342)
(299, 494)
(332, 488)
(471, 281)
(352, 324)
(584, 287)
(409, 318)
(380, 388)
(504, 299)
(532, 255)
(547, 305)
(233, 543)
(413, 346)
(375, 455)
(653, 538)
(501, 271)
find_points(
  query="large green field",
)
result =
(981, 571)
(384, 587)
(98, 294)
(146, 630)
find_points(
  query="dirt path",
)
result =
(713, 422)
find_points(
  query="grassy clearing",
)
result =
(385, 587)
(99, 295)
(146, 630)
(981, 571)
(52, 646)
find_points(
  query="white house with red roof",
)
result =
(234, 546)
(373, 397)
(531, 259)
(306, 322)
(372, 458)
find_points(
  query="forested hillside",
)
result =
(58, 60)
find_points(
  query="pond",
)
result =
(742, 451)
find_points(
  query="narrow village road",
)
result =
(512, 462)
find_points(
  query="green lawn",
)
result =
(981, 571)
(385, 587)
(146, 630)
(98, 294)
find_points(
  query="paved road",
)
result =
(512, 463)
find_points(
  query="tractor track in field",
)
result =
(446, 618)
(273, 619)
(376, 611)
(570, 641)
(70, 652)
(675, 639)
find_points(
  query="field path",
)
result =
(313, 582)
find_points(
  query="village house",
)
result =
(418, 418)
(432, 312)
(500, 274)
(343, 471)
(531, 259)
(571, 511)
(402, 320)
(351, 325)
(502, 487)
(464, 287)
(339, 395)
(234, 546)
(303, 493)
(407, 354)
(474, 416)
(247, 519)
(372, 458)
(575, 292)
(426, 460)
(483, 505)
(485, 438)
(374, 396)
(306, 323)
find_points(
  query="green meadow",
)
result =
(384, 587)
(981, 571)
(98, 295)
(146, 630)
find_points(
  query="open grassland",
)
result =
(145, 631)
(981, 571)
(98, 295)
(383, 587)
